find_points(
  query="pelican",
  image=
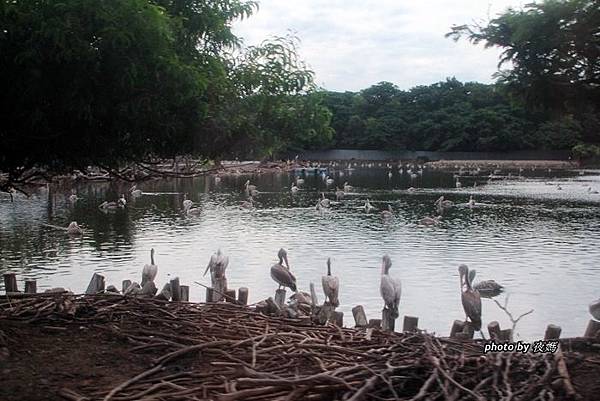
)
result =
(430, 221)
(458, 183)
(249, 204)
(388, 214)
(471, 202)
(442, 203)
(592, 191)
(294, 188)
(149, 271)
(134, 191)
(328, 180)
(331, 286)
(217, 179)
(339, 194)
(122, 201)
(73, 198)
(299, 180)
(187, 203)
(558, 187)
(390, 288)
(470, 298)
(595, 309)
(249, 187)
(192, 211)
(281, 273)
(347, 187)
(390, 174)
(217, 265)
(74, 229)
(486, 288)
(411, 189)
(324, 202)
(108, 205)
(368, 207)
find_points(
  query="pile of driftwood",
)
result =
(228, 352)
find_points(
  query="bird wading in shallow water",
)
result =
(331, 286)
(390, 288)
(281, 273)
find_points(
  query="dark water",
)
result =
(538, 241)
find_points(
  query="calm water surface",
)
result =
(540, 242)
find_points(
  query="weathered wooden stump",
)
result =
(388, 323)
(593, 329)
(272, 307)
(209, 294)
(552, 332)
(374, 323)
(133, 289)
(313, 295)
(411, 324)
(30, 286)
(125, 285)
(468, 331)
(175, 289)
(96, 284)
(185, 293)
(243, 296)
(164, 294)
(230, 296)
(457, 327)
(149, 289)
(360, 317)
(10, 283)
(506, 335)
(338, 318)
(494, 331)
(280, 297)
(112, 289)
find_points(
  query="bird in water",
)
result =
(443, 203)
(187, 203)
(281, 273)
(471, 300)
(73, 197)
(248, 204)
(339, 194)
(368, 207)
(192, 211)
(388, 214)
(74, 229)
(294, 188)
(299, 181)
(471, 202)
(390, 288)
(458, 183)
(486, 288)
(135, 192)
(250, 189)
(324, 202)
(149, 271)
(217, 265)
(331, 286)
(347, 187)
(122, 201)
(328, 180)
(430, 221)
(108, 205)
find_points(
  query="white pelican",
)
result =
(192, 211)
(249, 204)
(149, 271)
(217, 265)
(217, 179)
(328, 180)
(390, 174)
(430, 221)
(324, 202)
(299, 181)
(294, 188)
(388, 214)
(347, 187)
(135, 192)
(368, 207)
(471, 202)
(249, 187)
(281, 273)
(331, 286)
(108, 205)
(592, 191)
(470, 298)
(458, 183)
(73, 197)
(442, 203)
(74, 229)
(390, 288)
(122, 201)
(187, 203)
(339, 194)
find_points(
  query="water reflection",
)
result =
(537, 241)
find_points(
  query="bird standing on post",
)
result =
(331, 286)
(149, 271)
(390, 288)
(470, 298)
(281, 273)
(217, 265)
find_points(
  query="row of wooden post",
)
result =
(228, 295)
(387, 322)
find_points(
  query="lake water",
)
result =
(540, 242)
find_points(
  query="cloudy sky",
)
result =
(352, 44)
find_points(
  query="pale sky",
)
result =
(353, 44)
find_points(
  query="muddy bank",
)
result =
(118, 348)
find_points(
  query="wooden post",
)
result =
(457, 327)
(230, 296)
(125, 285)
(494, 331)
(133, 289)
(209, 295)
(112, 289)
(185, 293)
(388, 323)
(593, 329)
(506, 335)
(272, 307)
(411, 324)
(220, 288)
(313, 294)
(552, 332)
(10, 282)
(374, 323)
(360, 318)
(165, 294)
(280, 297)
(96, 284)
(243, 296)
(468, 331)
(149, 289)
(175, 289)
(338, 318)
(30, 286)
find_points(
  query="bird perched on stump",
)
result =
(217, 265)
(281, 273)
(390, 287)
(331, 286)
(470, 298)
(149, 271)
